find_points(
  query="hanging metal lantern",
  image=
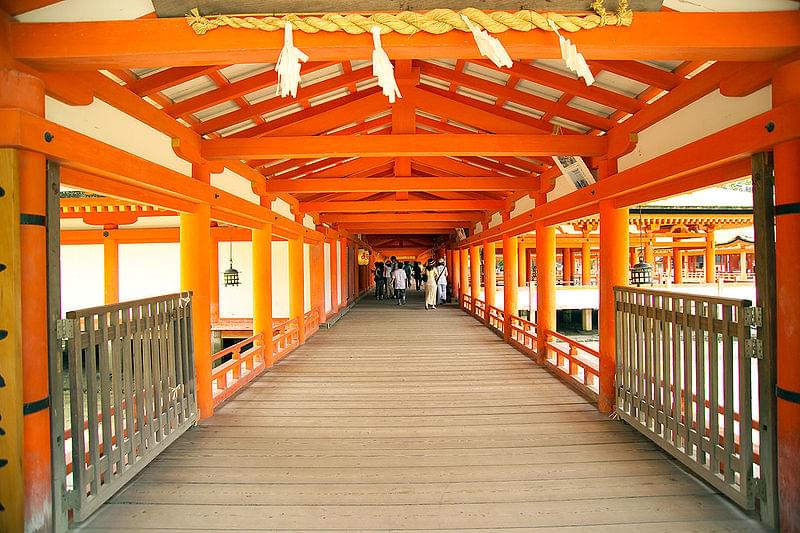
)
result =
(641, 273)
(231, 276)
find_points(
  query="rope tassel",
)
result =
(490, 47)
(383, 69)
(288, 67)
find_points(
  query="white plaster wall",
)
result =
(236, 302)
(147, 270)
(280, 279)
(89, 10)
(523, 204)
(82, 282)
(107, 124)
(683, 127)
(563, 187)
(496, 219)
(326, 260)
(309, 222)
(279, 206)
(235, 184)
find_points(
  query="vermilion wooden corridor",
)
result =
(402, 419)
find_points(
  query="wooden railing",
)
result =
(497, 318)
(312, 319)
(685, 379)
(466, 303)
(285, 338)
(130, 392)
(238, 365)
(576, 362)
(524, 335)
(479, 309)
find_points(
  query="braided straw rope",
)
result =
(436, 21)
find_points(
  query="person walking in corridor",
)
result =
(400, 281)
(430, 285)
(441, 281)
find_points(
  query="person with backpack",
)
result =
(380, 282)
(441, 281)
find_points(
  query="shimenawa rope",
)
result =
(436, 21)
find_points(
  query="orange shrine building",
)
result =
(201, 201)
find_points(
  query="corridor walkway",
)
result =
(404, 419)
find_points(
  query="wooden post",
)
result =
(456, 274)
(318, 279)
(545, 284)
(475, 272)
(11, 439)
(786, 88)
(710, 257)
(510, 277)
(649, 255)
(334, 276)
(110, 269)
(344, 299)
(490, 275)
(764, 227)
(262, 288)
(297, 285)
(677, 264)
(586, 263)
(464, 260)
(450, 267)
(195, 253)
(614, 236)
(567, 266)
(27, 169)
(521, 266)
(214, 281)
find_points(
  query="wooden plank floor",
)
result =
(404, 419)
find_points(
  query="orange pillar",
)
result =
(464, 260)
(110, 269)
(195, 253)
(214, 280)
(456, 274)
(785, 88)
(343, 273)
(710, 258)
(649, 256)
(545, 284)
(568, 266)
(614, 271)
(490, 275)
(510, 277)
(475, 272)
(334, 275)
(449, 264)
(318, 279)
(586, 263)
(522, 255)
(297, 285)
(633, 256)
(262, 288)
(677, 264)
(18, 90)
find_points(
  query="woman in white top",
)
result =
(430, 285)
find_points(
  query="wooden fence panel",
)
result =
(130, 390)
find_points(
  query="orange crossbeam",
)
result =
(453, 216)
(430, 184)
(168, 42)
(403, 145)
(401, 206)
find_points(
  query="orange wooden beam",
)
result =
(430, 184)
(453, 216)
(159, 81)
(169, 42)
(401, 206)
(403, 145)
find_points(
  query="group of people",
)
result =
(393, 278)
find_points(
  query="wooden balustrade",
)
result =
(285, 338)
(574, 361)
(496, 318)
(238, 365)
